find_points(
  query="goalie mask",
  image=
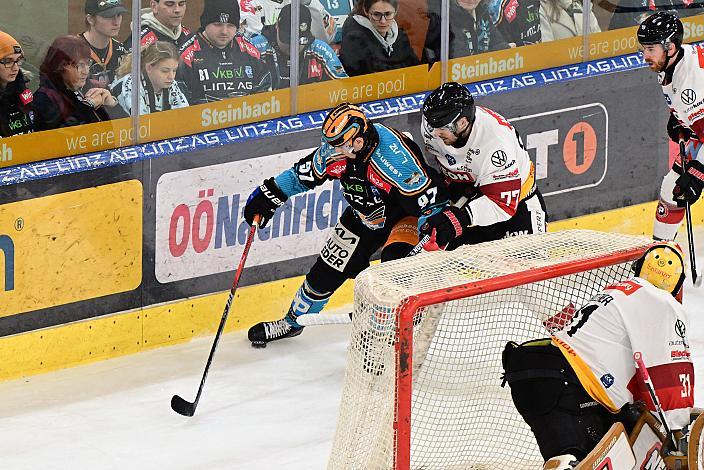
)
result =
(662, 265)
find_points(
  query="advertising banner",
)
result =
(70, 247)
(200, 228)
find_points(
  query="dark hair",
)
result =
(361, 7)
(65, 50)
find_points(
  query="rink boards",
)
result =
(111, 253)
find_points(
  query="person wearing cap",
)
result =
(217, 62)
(16, 100)
(103, 19)
(60, 101)
(317, 60)
(162, 21)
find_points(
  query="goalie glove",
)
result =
(445, 226)
(264, 200)
(689, 185)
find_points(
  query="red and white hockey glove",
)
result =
(445, 226)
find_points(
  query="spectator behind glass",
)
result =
(158, 90)
(372, 41)
(218, 63)
(560, 19)
(259, 13)
(633, 12)
(471, 30)
(103, 19)
(517, 20)
(16, 113)
(59, 101)
(162, 22)
(317, 61)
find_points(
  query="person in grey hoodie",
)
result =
(372, 40)
(162, 22)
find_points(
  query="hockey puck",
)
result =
(259, 344)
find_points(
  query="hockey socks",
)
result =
(306, 301)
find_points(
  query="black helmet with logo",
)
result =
(661, 28)
(448, 103)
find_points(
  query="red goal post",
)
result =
(423, 381)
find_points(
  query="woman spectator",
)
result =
(372, 41)
(472, 30)
(560, 19)
(158, 90)
(59, 101)
(16, 115)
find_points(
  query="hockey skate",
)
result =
(264, 332)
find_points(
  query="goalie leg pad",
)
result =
(549, 397)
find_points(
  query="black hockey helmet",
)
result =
(661, 28)
(448, 103)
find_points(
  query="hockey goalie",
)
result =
(581, 393)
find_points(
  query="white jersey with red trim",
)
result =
(628, 317)
(685, 93)
(493, 161)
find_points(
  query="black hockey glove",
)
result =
(688, 186)
(675, 129)
(264, 201)
(447, 225)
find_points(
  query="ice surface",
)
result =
(261, 409)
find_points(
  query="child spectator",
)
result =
(162, 22)
(16, 114)
(372, 41)
(158, 90)
(560, 19)
(217, 62)
(103, 19)
(517, 20)
(59, 101)
(317, 61)
(471, 30)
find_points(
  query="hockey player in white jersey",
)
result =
(482, 158)
(680, 69)
(571, 388)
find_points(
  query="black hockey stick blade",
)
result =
(182, 407)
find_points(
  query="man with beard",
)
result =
(680, 73)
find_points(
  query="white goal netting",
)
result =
(473, 301)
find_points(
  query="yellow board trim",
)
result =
(130, 332)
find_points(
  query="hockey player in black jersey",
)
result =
(390, 190)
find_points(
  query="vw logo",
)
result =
(680, 328)
(498, 158)
(688, 96)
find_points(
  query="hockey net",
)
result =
(422, 388)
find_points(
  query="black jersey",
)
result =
(213, 74)
(104, 63)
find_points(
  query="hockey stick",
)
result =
(644, 377)
(696, 279)
(187, 408)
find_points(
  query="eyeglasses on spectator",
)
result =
(378, 15)
(9, 63)
(81, 66)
